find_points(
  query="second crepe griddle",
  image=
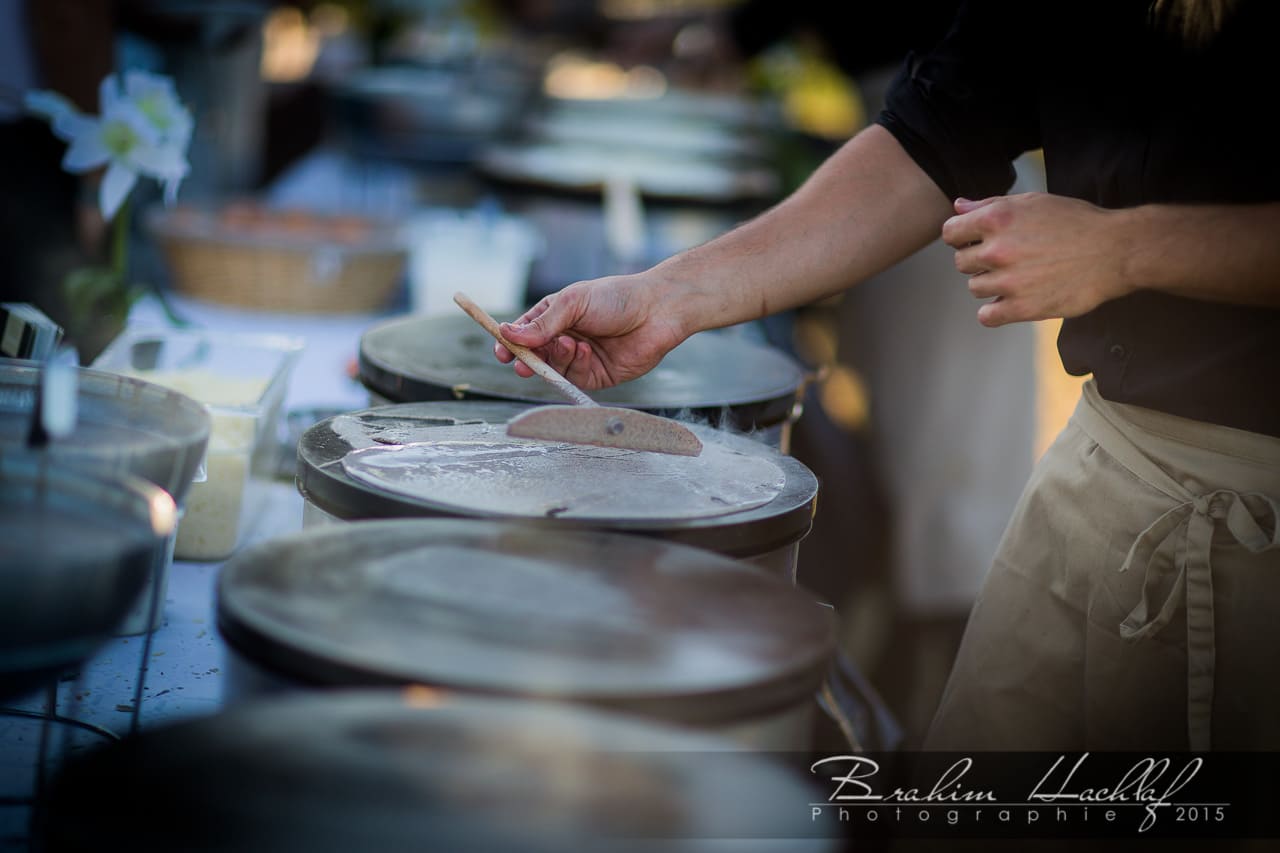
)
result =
(719, 377)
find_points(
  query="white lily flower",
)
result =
(146, 135)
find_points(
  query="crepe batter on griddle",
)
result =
(483, 470)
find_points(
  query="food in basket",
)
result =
(248, 218)
(249, 254)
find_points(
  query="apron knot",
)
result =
(1253, 520)
(1180, 572)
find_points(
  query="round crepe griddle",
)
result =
(425, 771)
(505, 608)
(325, 480)
(449, 357)
(485, 471)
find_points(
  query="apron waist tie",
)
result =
(1191, 523)
(1194, 521)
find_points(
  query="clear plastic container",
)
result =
(242, 379)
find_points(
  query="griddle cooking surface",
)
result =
(478, 468)
(422, 358)
(325, 482)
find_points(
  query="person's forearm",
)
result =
(867, 207)
(1218, 253)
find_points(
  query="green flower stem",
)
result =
(125, 292)
(120, 243)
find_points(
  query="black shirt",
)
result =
(1126, 115)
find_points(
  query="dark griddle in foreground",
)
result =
(502, 608)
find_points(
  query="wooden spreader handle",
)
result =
(585, 422)
(526, 355)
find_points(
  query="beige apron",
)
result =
(1134, 602)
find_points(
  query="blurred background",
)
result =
(359, 160)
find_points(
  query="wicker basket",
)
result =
(280, 260)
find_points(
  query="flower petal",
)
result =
(108, 93)
(180, 129)
(156, 98)
(115, 188)
(171, 191)
(72, 126)
(139, 84)
(48, 105)
(86, 151)
(135, 83)
(162, 162)
(127, 112)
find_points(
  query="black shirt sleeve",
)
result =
(965, 110)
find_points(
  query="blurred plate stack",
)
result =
(670, 147)
(430, 115)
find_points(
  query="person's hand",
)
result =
(1037, 256)
(597, 333)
